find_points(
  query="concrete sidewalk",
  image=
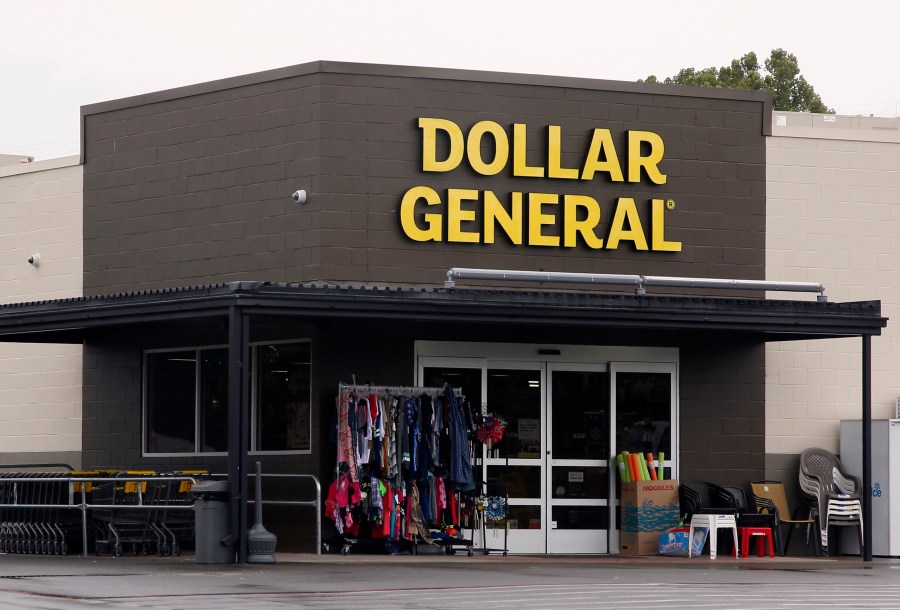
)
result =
(406, 581)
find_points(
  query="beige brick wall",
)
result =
(40, 385)
(833, 216)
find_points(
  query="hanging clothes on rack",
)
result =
(402, 454)
(346, 444)
(460, 452)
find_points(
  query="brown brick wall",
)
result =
(722, 411)
(197, 189)
(194, 186)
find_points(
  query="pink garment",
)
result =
(342, 492)
(355, 493)
(441, 493)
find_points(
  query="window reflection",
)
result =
(171, 378)
(214, 399)
(515, 395)
(523, 517)
(580, 406)
(283, 397)
(643, 412)
(468, 380)
(189, 386)
(581, 517)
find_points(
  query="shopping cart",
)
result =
(172, 527)
(48, 495)
(178, 524)
(152, 525)
(35, 516)
(115, 525)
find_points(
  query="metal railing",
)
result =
(316, 502)
(81, 485)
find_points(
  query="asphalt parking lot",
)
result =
(438, 581)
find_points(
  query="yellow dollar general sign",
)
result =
(454, 217)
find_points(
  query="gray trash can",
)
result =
(211, 522)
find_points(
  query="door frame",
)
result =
(671, 461)
(574, 541)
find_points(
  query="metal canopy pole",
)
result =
(237, 437)
(867, 445)
(245, 431)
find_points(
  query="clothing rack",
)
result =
(387, 486)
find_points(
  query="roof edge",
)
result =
(18, 169)
(401, 71)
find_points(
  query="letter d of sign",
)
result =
(430, 128)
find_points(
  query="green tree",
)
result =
(782, 78)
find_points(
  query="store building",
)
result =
(832, 185)
(197, 258)
(40, 384)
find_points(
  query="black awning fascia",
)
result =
(776, 320)
(813, 325)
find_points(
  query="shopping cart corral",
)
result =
(111, 511)
(139, 510)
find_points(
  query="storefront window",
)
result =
(171, 383)
(214, 400)
(644, 411)
(186, 399)
(282, 397)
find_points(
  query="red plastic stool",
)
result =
(762, 534)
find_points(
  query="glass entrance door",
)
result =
(515, 467)
(552, 467)
(578, 453)
(644, 396)
(566, 421)
(644, 404)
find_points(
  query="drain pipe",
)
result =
(460, 273)
(702, 282)
(640, 282)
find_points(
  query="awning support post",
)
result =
(867, 445)
(238, 426)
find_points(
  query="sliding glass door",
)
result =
(566, 422)
(578, 454)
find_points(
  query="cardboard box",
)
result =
(675, 543)
(649, 508)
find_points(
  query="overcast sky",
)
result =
(56, 55)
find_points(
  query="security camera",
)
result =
(34, 259)
(299, 196)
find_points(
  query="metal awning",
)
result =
(71, 320)
(75, 320)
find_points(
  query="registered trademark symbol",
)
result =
(670, 204)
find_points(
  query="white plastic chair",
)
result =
(837, 494)
(714, 522)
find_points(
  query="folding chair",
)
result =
(774, 491)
